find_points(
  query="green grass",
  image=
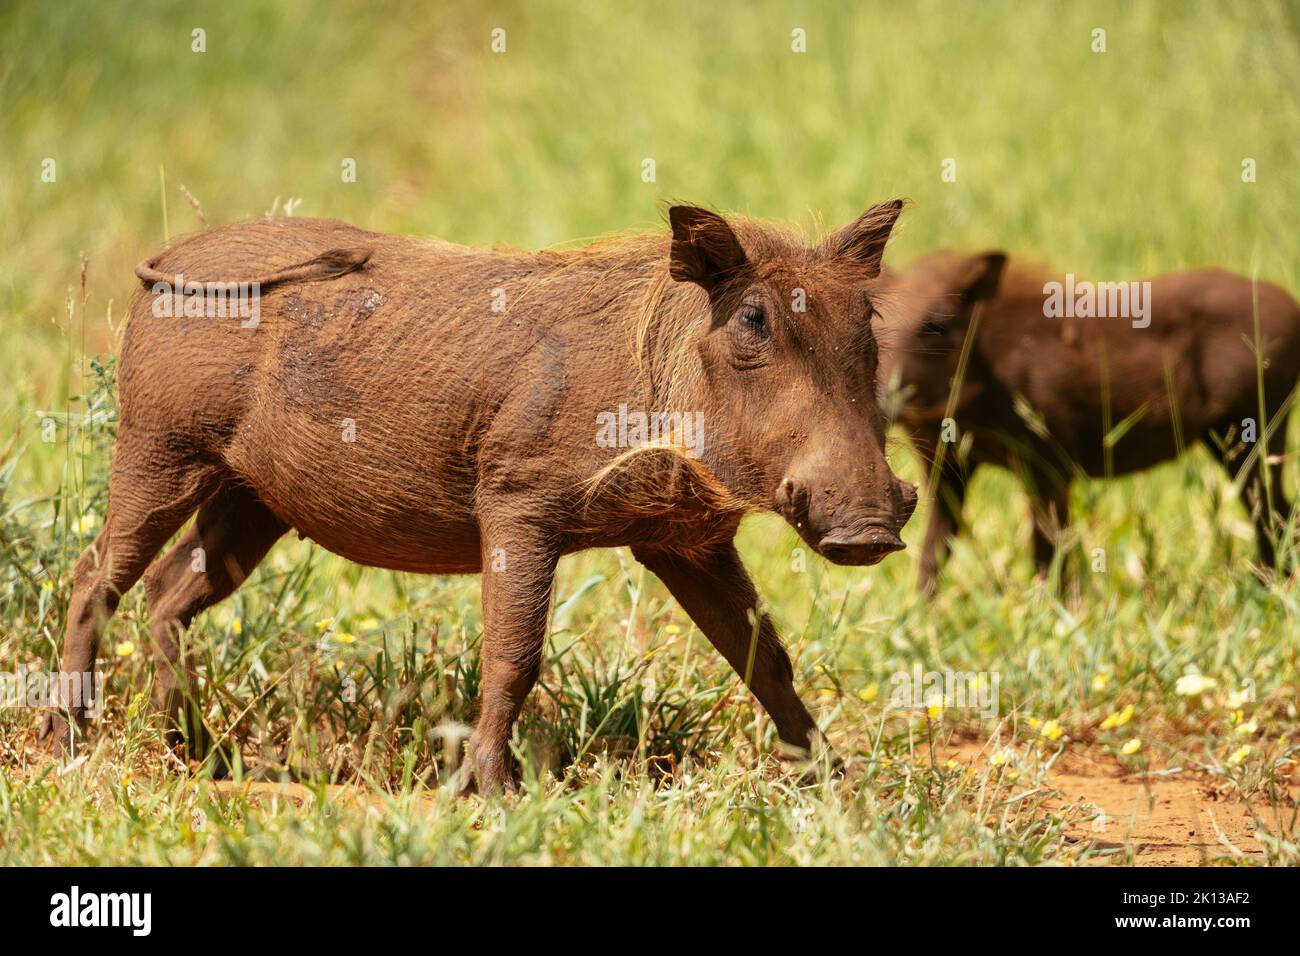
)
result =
(639, 745)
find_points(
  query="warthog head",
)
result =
(788, 369)
(928, 312)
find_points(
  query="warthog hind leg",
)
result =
(149, 498)
(230, 536)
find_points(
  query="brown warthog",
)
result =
(426, 407)
(1064, 378)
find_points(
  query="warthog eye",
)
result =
(750, 336)
(753, 319)
(933, 326)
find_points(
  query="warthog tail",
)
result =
(327, 265)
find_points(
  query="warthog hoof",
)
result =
(56, 735)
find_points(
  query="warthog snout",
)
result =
(847, 530)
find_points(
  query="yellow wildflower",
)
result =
(1132, 747)
(1052, 730)
(1118, 719)
(1240, 754)
(125, 648)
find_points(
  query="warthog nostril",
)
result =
(908, 496)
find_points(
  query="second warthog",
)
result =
(1151, 368)
(426, 407)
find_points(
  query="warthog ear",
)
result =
(981, 275)
(865, 237)
(704, 250)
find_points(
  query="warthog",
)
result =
(1051, 392)
(422, 406)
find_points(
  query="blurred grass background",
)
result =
(1110, 164)
(1113, 165)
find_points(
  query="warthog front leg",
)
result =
(715, 590)
(945, 519)
(518, 573)
(1050, 511)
